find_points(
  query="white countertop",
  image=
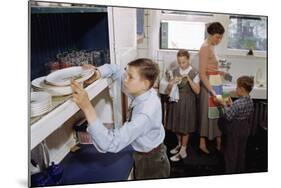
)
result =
(256, 93)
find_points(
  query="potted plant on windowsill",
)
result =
(250, 44)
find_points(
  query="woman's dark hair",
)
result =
(147, 69)
(246, 82)
(183, 52)
(215, 28)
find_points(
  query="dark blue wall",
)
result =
(60, 32)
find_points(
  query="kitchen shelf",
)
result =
(50, 122)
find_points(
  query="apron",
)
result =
(214, 109)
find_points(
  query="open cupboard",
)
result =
(58, 32)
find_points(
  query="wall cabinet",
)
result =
(57, 30)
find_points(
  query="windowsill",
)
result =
(243, 53)
(227, 54)
(175, 50)
(245, 56)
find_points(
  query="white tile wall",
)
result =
(241, 65)
(247, 66)
(143, 44)
(142, 53)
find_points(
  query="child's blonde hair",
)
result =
(183, 52)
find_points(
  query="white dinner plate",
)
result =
(37, 107)
(63, 77)
(40, 103)
(39, 98)
(40, 109)
(38, 113)
(40, 85)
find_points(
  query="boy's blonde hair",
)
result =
(183, 52)
(246, 82)
(147, 69)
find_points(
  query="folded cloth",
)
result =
(174, 94)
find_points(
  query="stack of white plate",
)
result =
(58, 83)
(40, 103)
(40, 84)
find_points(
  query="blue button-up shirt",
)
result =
(145, 130)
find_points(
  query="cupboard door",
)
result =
(123, 49)
(124, 26)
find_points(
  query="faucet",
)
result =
(224, 64)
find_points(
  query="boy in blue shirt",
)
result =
(143, 129)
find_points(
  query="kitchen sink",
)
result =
(256, 93)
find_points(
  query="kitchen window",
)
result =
(247, 33)
(180, 29)
(182, 34)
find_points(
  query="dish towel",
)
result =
(214, 110)
(174, 94)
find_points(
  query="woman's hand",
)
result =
(213, 93)
(215, 100)
(219, 100)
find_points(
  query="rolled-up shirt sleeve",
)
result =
(115, 72)
(114, 140)
(111, 70)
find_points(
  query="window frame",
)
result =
(207, 18)
(243, 52)
(184, 17)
